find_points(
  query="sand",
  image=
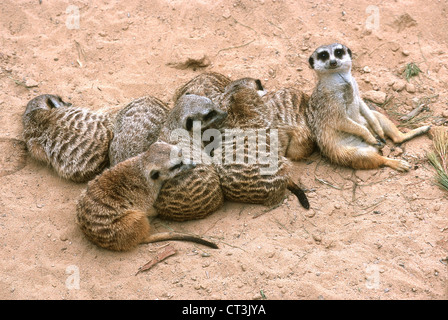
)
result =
(372, 234)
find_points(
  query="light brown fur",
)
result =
(114, 211)
(343, 126)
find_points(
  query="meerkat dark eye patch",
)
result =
(259, 85)
(177, 166)
(155, 174)
(339, 53)
(323, 56)
(210, 115)
(189, 124)
(349, 52)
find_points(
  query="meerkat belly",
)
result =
(77, 145)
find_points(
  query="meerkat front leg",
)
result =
(349, 126)
(372, 120)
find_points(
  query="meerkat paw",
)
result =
(399, 165)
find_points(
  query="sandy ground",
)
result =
(374, 234)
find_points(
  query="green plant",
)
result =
(411, 70)
(439, 157)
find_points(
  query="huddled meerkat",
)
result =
(195, 193)
(192, 194)
(208, 84)
(72, 140)
(343, 125)
(245, 182)
(137, 126)
(114, 211)
(296, 140)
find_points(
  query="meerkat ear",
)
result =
(349, 52)
(311, 62)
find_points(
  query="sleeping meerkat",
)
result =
(195, 193)
(208, 84)
(246, 181)
(343, 125)
(137, 126)
(73, 141)
(114, 211)
(295, 137)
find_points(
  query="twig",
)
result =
(168, 252)
(414, 112)
(234, 47)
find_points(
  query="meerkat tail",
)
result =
(176, 236)
(300, 194)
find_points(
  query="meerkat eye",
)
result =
(339, 53)
(210, 115)
(323, 56)
(155, 174)
(259, 85)
(177, 166)
(189, 124)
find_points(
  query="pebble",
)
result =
(405, 53)
(30, 83)
(367, 69)
(410, 87)
(399, 85)
(445, 113)
(375, 96)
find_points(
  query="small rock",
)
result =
(30, 83)
(375, 96)
(405, 53)
(410, 87)
(367, 69)
(399, 85)
(445, 113)
(317, 238)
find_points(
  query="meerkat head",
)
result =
(249, 83)
(47, 102)
(163, 161)
(331, 58)
(190, 108)
(242, 99)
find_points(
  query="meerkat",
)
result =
(196, 193)
(191, 194)
(208, 84)
(344, 127)
(295, 136)
(244, 181)
(137, 126)
(115, 210)
(72, 140)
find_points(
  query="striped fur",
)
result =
(210, 85)
(137, 127)
(73, 141)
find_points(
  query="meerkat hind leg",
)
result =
(369, 158)
(396, 135)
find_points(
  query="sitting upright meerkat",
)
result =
(114, 211)
(343, 125)
(137, 126)
(73, 141)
